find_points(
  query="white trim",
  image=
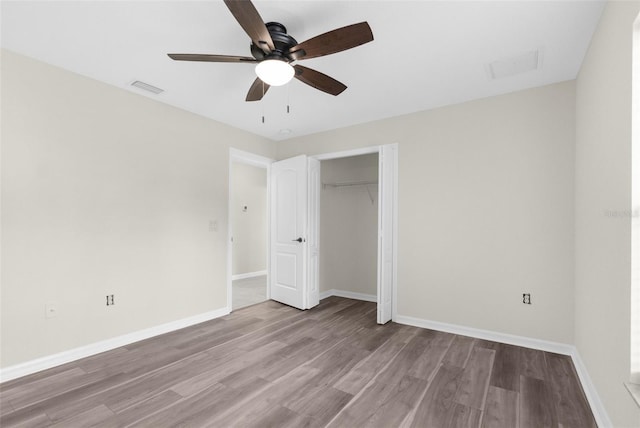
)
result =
(249, 158)
(543, 345)
(347, 153)
(348, 295)
(634, 391)
(394, 289)
(43, 363)
(387, 227)
(635, 207)
(252, 159)
(312, 258)
(364, 151)
(248, 275)
(597, 407)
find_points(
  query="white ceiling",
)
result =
(425, 54)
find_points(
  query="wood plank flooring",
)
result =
(270, 365)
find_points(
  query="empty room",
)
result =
(235, 213)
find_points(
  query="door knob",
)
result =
(297, 240)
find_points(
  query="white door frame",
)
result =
(394, 232)
(246, 158)
(240, 156)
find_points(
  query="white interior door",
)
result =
(387, 191)
(289, 219)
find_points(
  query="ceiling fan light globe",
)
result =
(275, 72)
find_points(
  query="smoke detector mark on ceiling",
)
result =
(147, 87)
(515, 65)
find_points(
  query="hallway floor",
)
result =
(249, 291)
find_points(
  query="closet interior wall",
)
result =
(349, 224)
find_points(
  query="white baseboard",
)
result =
(526, 342)
(348, 295)
(43, 363)
(248, 275)
(599, 411)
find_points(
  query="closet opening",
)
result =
(349, 227)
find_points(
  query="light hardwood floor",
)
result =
(269, 365)
(249, 291)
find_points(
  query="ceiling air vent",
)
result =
(147, 87)
(514, 65)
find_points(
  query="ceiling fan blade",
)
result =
(249, 19)
(257, 90)
(211, 58)
(318, 80)
(334, 41)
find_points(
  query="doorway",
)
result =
(387, 227)
(248, 230)
(280, 268)
(349, 227)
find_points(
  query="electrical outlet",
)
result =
(110, 300)
(213, 225)
(526, 298)
(51, 310)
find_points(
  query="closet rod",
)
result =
(350, 183)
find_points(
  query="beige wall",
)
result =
(349, 225)
(106, 192)
(485, 209)
(249, 184)
(603, 183)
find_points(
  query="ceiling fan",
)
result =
(273, 50)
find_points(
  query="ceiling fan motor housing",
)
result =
(282, 42)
